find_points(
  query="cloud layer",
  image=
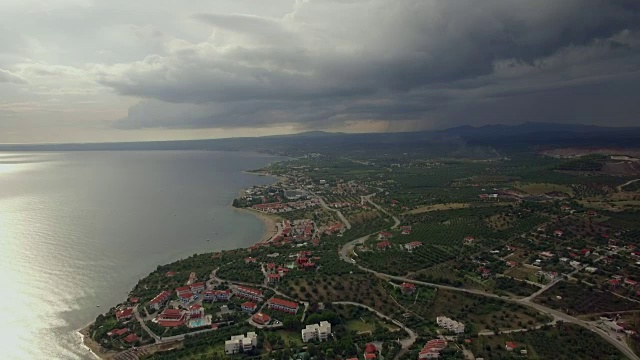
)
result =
(314, 64)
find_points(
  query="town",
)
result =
(373, 259)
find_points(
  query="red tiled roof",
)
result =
(261, 318)
(186, 295)
(369, 356)
(370, 348)
(383, 244)
(161, 297)
(170, 323)
(170, 273)
(118, 332)
(131, 338)
(250, 290)
(197, 285)
(511, 345)
(195, 307)
(128, 312)
(171, 312)
(408, 285)
(134, 300)
(285, 303)
(249, 305)
(183, 288)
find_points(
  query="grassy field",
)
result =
(543, 188)
(437, 207)
(290, 337)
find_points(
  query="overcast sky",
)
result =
(115, 70)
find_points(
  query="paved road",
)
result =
(406, 343)
(557, 315)
(627, 183)
(395, 219)
(326, 207)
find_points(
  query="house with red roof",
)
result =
(405, 230)
(131, 338)
(124, 314)
(383, 235)
(171, 318)
(134, 300)
(182, 290)
(261, 318)
(630, 283)
(271, 267)
(249, 307)
(248, 293)
(407, 288)
(283, 305)
(370, 351)
(382, 245)
(432, 348)
(614, 282)
(273, 278)
(118, 332)
(197, 288)
(469, 239)
(160, 300)
(170, 273)
(217, 295)
(558, 233)
(186, 297)
(510, 346)
(412, 245)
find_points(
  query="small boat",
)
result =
(97, 305)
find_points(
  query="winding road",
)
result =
(347, 249)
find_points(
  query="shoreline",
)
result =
(270, 231)
(269, 222)
(92, 346)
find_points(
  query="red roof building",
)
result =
(183, 289)
(261, 318)
(510, 346)
(412, 245)
(171, 318)
(273, 278)
(249, 307)
(283, 305)
(160, 300)
(407, 288)
(249, 293)
(131, 338)
(383, 245)
(370, 349)
(124, 314)
(170, 273)
(118, 332)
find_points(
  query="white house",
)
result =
(319, 331)
(450, 324)
(241, 343)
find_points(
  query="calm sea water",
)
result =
(79, 229)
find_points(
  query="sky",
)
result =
(122, 70)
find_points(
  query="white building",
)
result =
(241, 343)
(319, 331)
(450, 324)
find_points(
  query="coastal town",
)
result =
(361, 261)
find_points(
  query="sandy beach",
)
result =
(93, 346)
(269, 221)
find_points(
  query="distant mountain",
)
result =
(461, 141)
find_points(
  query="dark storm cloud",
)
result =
(435, 62)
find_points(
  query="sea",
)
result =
(79, 229)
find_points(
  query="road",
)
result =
(405, 343)
(326, 207)
(395, 219)
(557, 315)
(619, 187)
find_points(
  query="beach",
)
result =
(269, 221)
(93, 346)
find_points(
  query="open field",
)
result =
(543, 188)
(437, 207)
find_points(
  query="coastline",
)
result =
(93, 347)
(270, 231)
(269, 222)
